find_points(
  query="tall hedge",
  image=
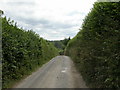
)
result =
(23, 51)
(96, 48)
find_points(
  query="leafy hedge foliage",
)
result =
(23, 51)
(96, 48)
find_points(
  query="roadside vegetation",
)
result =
(96, 48)
(61, 44)
(23, 52)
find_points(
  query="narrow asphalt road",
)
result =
(59, 72)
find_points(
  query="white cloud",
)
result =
(51, 19)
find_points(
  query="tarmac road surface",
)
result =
(59, 72)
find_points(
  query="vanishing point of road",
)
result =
(59, 72)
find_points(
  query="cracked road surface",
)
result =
(59, 72)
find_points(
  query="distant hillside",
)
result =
(61, 44)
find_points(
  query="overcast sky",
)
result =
(51, 19)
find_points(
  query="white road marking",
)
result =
(64, 70)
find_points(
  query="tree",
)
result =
(1, 13)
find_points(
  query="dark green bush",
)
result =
(23, 51)
(96, 48)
